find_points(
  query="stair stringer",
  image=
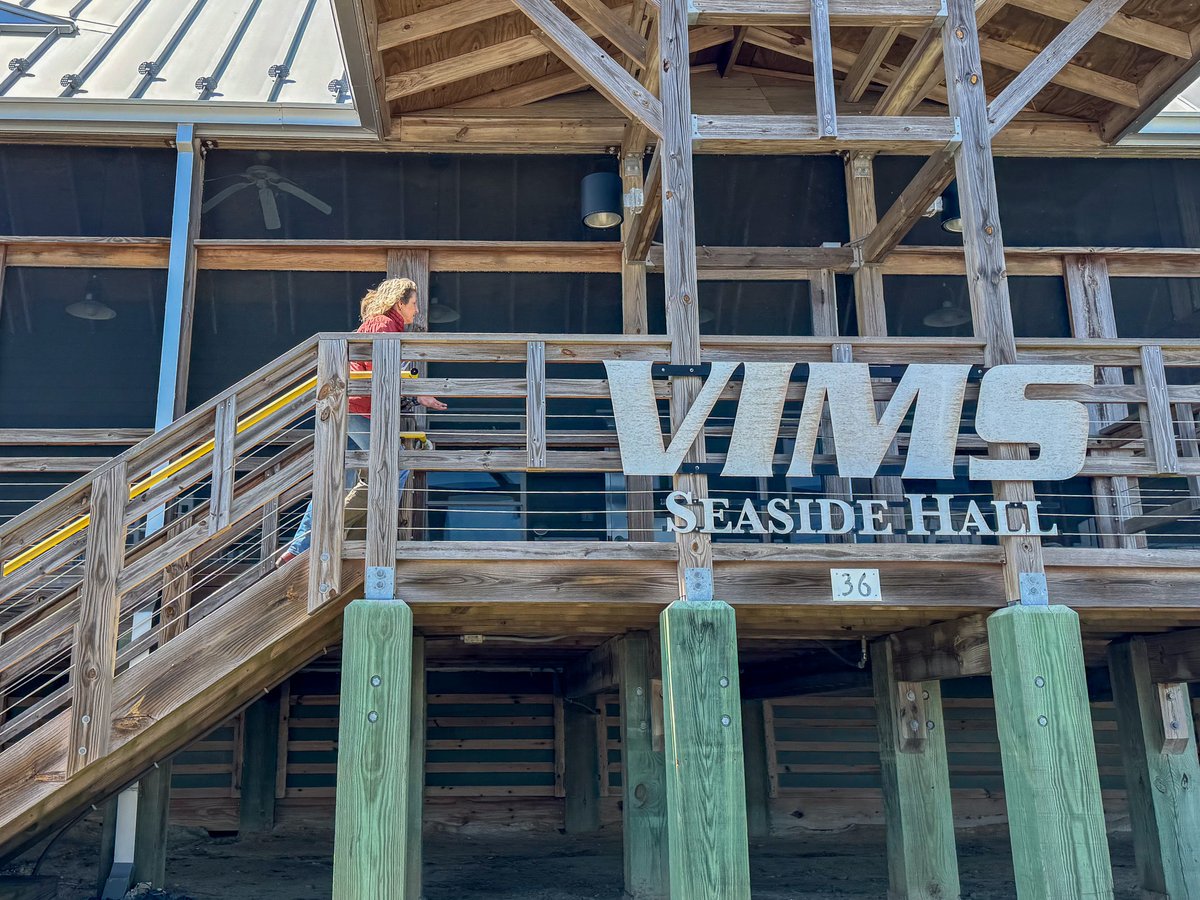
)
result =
(174, 696)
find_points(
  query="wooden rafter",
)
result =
(938, 171)
(614, 28)
(1156, 90)
(432, 22)
(797, 12)
(868, 61)
(1125, 27)
(581, 53)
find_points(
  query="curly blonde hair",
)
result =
(387, 294)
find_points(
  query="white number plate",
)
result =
(855, 584)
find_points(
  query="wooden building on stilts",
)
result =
(779, 486)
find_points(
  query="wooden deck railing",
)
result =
(127, 558)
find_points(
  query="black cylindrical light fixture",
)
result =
(951, 212)
(600, 200)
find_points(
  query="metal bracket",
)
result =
(1034, 591)
(380, 583)
(697, 584)
(667, 370)
(956, 139)
(634, 200)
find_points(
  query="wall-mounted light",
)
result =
(600, 200)
(951, 212)
(91, 307)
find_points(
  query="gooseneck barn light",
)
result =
(91, 307)
(600, 200)
(951, 211)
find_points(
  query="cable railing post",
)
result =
(94, 656)
(383, 470)
(221, 493)
(329, 472)
(535, 404)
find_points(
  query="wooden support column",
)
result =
(872, 314)
(416, 772)
(414, 264)
(679, 255)
(582, 773)
(922, 862)
(758, 778)
(150, 830)
(94, 656)
(1089, 299)
(260, 759)
(383, 506)
(1051, 780)
(643, 778)
(983, 246)
(329, 473)
(1162, 772)
(706, 783)
(374, 772)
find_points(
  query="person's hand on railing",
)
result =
(431, 402)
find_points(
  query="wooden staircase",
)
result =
(140, 606)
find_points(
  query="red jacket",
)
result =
(390, 322)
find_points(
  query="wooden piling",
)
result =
(758, 778)
(370, 853)
(1051, 780)
(643, 779)
(915, 772)
(707, 839)
(1162, 778)
(260, 760)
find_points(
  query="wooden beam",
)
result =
(707, 838)
(614, 28)
(954, 649)
(1052, 59)
(383, 471)
(1051, 779)
(826, 90)
(729, 60)
(429, 23)
(597, 673)
(150, 828)
(1174, 656)
(643, 776)
(797, 12)
(908, 87)
(374, 776)
(868, 61)
(358, 34)
(576, 48)
(1122, 26)
(1077, 78)
(1164, 812)
(1156, 89)
(722, 132)
(644, 225)
(915, 775)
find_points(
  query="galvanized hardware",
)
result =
(698, 584)
(1034, 591)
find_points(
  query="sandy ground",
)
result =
(294, 863)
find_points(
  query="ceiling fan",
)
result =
(268, 183)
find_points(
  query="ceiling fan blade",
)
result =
(270, 208)
(291, 188)
(223, 195)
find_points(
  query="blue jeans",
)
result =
(358, 437)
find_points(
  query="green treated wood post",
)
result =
(370, 850)
(915, 772)
(150, 831)
(581, 770)
(1051, 780)
(758, 779)
(260, 764)
(1163, 787)
(416, 763)
(706, 786)
(643, 776)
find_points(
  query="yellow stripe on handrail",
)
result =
(156, 478)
